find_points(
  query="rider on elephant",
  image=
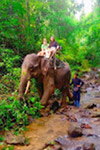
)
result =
(53, 43)
(44, 49)
(48, 50)
(54, 46)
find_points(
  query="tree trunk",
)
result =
(28, 12)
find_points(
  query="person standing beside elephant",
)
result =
(77, 84)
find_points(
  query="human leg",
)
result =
(75, 97)
(78, 98)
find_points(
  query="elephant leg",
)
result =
(40, 92)
(22, 87)
(69, 94)
(63, 104)
(39, 87)
(48, 90)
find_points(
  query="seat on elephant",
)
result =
(58, 63)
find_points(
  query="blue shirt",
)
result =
(77, 81)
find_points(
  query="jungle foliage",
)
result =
(23, 25)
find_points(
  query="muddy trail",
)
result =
(69, 128)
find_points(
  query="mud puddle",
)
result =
(44, 130)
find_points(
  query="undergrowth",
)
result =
(14, 113)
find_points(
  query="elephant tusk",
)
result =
(28, 85)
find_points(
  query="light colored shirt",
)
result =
(44, 47)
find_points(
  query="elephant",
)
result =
(48, 78)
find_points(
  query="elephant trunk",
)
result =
(23, 84)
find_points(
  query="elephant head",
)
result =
(33, 66)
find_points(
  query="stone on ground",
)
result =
(75, 131)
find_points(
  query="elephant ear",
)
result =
(44, 66)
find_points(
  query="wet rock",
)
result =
(89, 146)
(85, 114)
(99, 88)
(93, 86)
(83, 91)
(92, 73)
(86, 76)
(75, 132)
(89, 89)
(98, 70)
(71, 118)
(91, 106)
(96, 115)
(96, 76)
(78, 148)
(52, 146)
(61, 140)
(57, 147)
(15, 140)
(97, 96)
(86, 126)
(93, 135)
(64, 111)
(97, 120)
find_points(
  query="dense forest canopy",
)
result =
(24, 24)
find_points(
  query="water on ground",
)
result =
(55, 126)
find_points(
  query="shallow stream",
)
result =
(56, 126)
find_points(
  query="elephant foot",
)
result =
(71, 98)
(43, 103)
(44, 112)
(21, 98)
(63, 105)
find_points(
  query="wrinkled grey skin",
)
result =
(37, 67)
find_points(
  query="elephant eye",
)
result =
(33, 66)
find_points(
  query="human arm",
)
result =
(57, 45)
(81, 83)
(54, 44)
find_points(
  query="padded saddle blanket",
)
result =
(59, 63)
